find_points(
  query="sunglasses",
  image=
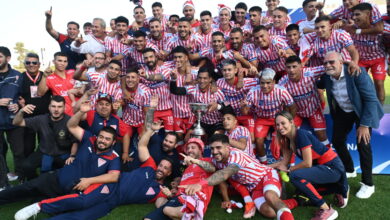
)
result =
(331, 62)
(31, 62)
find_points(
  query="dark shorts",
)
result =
(158, 213)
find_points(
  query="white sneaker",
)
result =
(28, 211)
(12, 177)
(365, 191)
(351, 175)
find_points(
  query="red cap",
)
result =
(197, 141)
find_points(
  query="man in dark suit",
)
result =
(352, 100)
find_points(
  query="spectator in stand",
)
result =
(73, 30)
(10, 86)
(59, 81)
(352, 100)
(29, 95)
(57, 146)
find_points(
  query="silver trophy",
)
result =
(199, 109)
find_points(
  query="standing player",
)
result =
(58, 82)
(115, 45)
(265, 101)
(223, 24)
(247, 50)
(135, 108)
(332, 40)
(293, 38)
(184, 74)
(240, 15)
(192, 42)
(254, 21)
(155, 77)
(371, 54)
(201, 93)
(189, 13)
(262, 181)
(205, 29)
(157, 35)
(234, 95)
(280, 22)
(300, 82)
(135, 52)
(271, 51)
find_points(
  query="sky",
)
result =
(24, 20)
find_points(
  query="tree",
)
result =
(21, 51)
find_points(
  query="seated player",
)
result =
(262, 181)
(320, 166)
(182, 205)
(100, 199)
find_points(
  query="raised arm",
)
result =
(73, 123)
(150, 127)
(49, 26)
(19, 120)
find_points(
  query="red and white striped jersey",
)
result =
(194, 43)
(339, 40)
(278, 32)
(369, 46)
(251, 171)
(248, 51)
(267, 15)
(92, 75)
(269, 57)
(267, 105)
(226, 33)
(197, 96)
(159, 88)
(386, 29)
(162, 42)
(343, 13)
(247, 28)
(136, 56)
(114, 45)
(242, 132)
(180, 106)
(304, 92)
(164, 22)
(104, 86)
(234, 96)
(206, 37)
(133, 113)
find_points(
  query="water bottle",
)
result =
(12, 115)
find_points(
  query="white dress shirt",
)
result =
(340, 92)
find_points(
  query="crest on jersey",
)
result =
(150, 191)
(105, 190)
(101, 162)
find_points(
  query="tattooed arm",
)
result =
(215, 179)
(143, 151)
(207, 166)
(222, 175)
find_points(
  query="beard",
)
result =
(99, 148)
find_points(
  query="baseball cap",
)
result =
(104, 96)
